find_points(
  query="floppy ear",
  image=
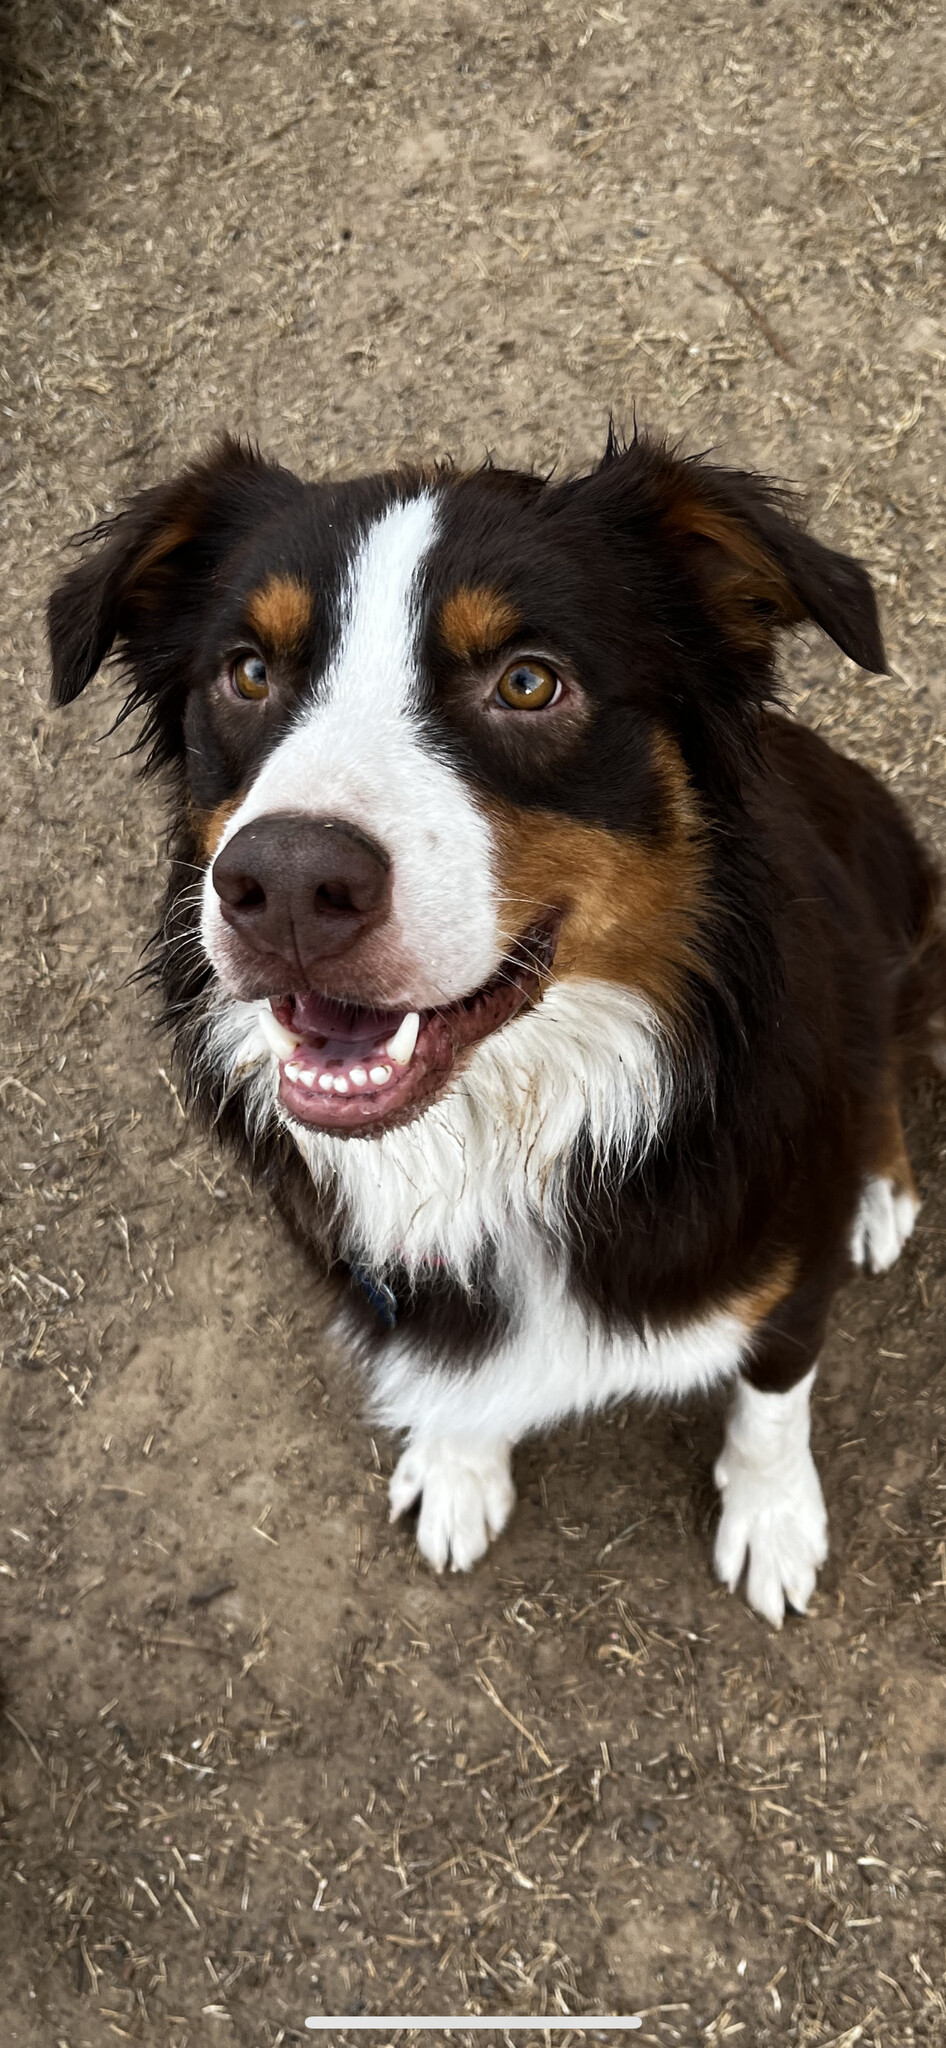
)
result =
(762, 571)
(166, 531)
(755, 566)
(90, 608)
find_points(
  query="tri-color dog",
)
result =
(556, 986)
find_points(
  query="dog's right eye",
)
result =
(248, 677)
(528, 686)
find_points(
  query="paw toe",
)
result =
(764, 1589)
(405, 1484)
(729, 1553)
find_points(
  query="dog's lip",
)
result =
(341, 1038)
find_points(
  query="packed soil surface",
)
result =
(257, 1762)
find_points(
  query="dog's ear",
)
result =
(166, 532)
(760, 570)
(756, 568)
(89, 609)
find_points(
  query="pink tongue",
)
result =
(346, 1028)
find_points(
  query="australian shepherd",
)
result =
(557, 987)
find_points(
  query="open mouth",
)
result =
(344, 1067)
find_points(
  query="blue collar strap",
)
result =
(382, 1297)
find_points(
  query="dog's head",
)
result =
(441, 738)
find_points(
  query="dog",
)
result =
(556, 985)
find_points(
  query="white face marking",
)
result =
(773, 1514)
(360, 753)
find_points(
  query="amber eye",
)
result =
(528, 686)
(248, 676)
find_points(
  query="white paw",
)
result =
(885, 1217)
(776, 1519)
(466, 1496)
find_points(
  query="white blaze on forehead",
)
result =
(377, 652)
(359, 752)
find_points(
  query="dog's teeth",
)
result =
(379, 1075)
(326, 1081)
(280, 1041)
(401, 1046)
(340, 1085)
(359, 1076)
(307, 1077)
(293, 1069)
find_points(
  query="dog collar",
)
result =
(381, 1294)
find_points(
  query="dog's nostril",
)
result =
(252, 896)
(336, 896)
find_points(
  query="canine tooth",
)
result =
(340, 1085)
(279, 1040)
(294, 1069)
(401, 1046)
(379, 1075)
(325, 1081)
(359, 1076)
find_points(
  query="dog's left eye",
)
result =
(528, 686)
(248, 676)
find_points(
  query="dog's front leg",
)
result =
(463, 1423)
(773, 1519)
(773, 1523)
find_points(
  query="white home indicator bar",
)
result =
(496, 2023)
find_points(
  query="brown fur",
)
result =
(631, 907)
(746, 587)
(476, 621)
(754, 1305)
(210, 826)
(891, 1159)
(143, 587)
(280, 612)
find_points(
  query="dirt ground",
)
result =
(257, 1763)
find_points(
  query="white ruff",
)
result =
(488, 1161)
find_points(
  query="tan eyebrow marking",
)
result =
(475, 620)
(280, 612)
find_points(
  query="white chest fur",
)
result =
(554, 1362)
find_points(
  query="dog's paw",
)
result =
(466, 1496)
(775, 1521)
(885, 1217)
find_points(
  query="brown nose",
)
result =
(301, 889)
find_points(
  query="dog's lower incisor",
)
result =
(557, 987)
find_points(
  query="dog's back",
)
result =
(896, 884)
